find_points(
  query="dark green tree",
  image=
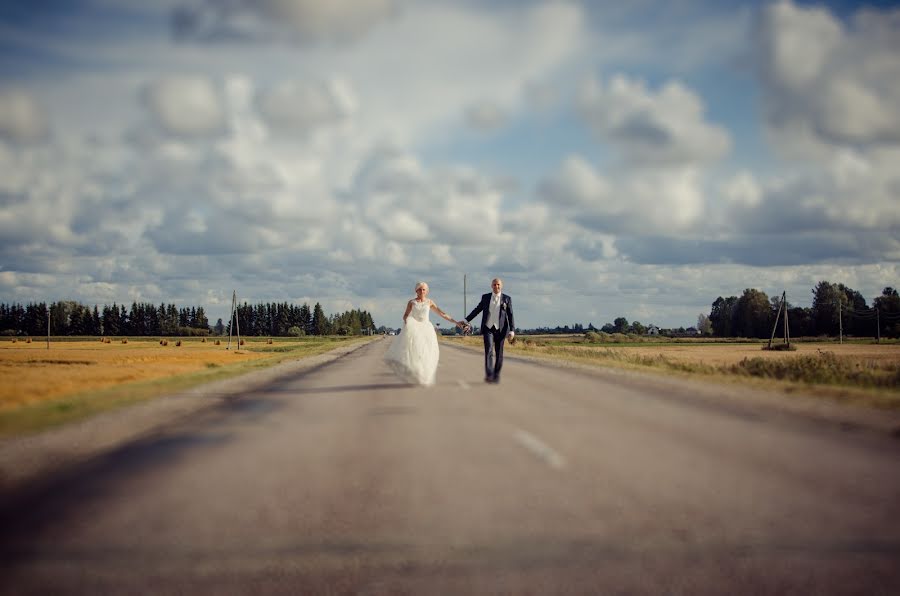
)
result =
(305, 322)
(888, 305)
(319, 322)
(722, 316)
(752, 314)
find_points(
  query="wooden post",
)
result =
(777, 316)
(231, 320)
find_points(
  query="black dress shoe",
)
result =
(488, 380)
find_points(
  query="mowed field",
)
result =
(30, 373)
(726, 354)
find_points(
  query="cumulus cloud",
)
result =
(742, 189)
(186, 106)
(667, 127)
(827, 83)
(302, 107)
(303, 21)
(849, 193)
(593, 247)
(411, 204)
(577, 184)
(22, 120)
(661, 200)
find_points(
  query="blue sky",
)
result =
(605, 159)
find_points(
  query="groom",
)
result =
(496, 325)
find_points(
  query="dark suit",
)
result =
(496, 336)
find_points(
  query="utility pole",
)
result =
(48, 326)
(787, 329)
(840, 325)
(465, 310)
(877, 325)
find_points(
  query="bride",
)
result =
(414, 354)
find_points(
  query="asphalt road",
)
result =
(342, 480)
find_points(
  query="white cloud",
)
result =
(22, 120)
(301, 107)
(663, 128)
(742, 189)
(663, 200)
(416, 75)
(826, 83)
(577, 184)
(412, 204)
(400, 226)
(186, 106)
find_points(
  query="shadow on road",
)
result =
(340, 389)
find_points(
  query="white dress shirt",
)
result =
(494, 312)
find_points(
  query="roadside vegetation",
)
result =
(861, 371)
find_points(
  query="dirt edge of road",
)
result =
(27, 458)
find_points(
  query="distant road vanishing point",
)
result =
(342, 480)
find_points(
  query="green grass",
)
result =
(40, 416)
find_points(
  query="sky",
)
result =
(605, 159)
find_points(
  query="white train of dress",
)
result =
(413, 355)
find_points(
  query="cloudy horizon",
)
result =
(604, 159)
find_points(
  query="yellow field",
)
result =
(30, 373)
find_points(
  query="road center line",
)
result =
(540, 449)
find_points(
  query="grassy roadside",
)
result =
(34, 417)
(819, 371)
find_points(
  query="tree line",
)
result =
(70, 318)
(280, 320)
(835, 309)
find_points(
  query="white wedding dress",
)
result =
(414, 354)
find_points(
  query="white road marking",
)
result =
(540, 449)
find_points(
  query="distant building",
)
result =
(652, 330)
